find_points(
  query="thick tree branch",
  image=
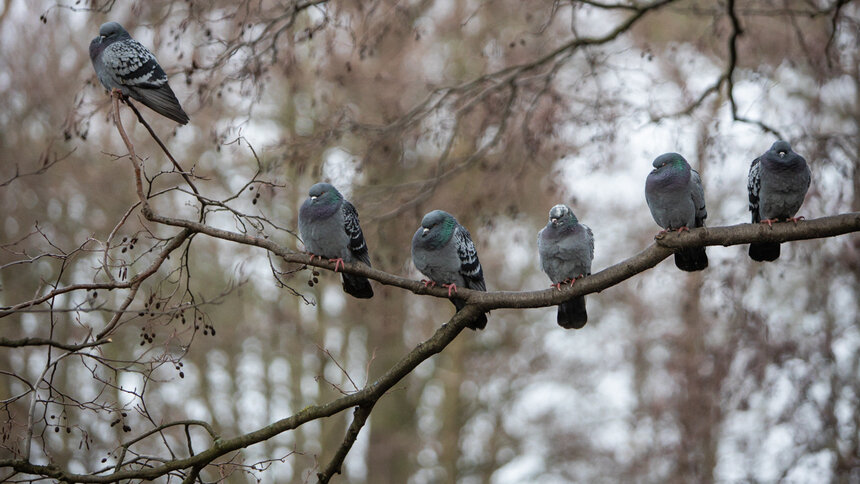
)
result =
(651, 256)
(359, 417)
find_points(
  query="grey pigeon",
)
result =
(442, 250)
(123, 63)
(329, 227)
(777, 184)
(676, 198)
(566, 249)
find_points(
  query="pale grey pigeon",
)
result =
(566, 249)
(777, 183)
(123, 63)
(329, 227)
(442, 250)
(676, 199)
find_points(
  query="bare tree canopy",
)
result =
(161, 320)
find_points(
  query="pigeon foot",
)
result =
(450, 287)
(769, 221)
(795, 219)
(428, 283)
(338, 261)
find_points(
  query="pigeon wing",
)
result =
(698, 194)
(754, 186)
(470, 266)
(357, 245)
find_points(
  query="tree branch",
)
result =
(648, 258)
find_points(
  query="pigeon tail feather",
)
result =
(479, 322)
(692, 259)
(357, 286)
(162, 101)
(572, 314)
(764, 251)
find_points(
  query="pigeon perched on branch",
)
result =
(329, 227)
(777, 184)
(676, 198)
(124, 64)
(566, 249)
(442, 250)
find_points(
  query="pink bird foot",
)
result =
(337, 262)
(769, 221)
(450, 287)
(795, 219)
(428, 283)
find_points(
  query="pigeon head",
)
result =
(562, 216)
(324, 193)
(322, 202)
(781, 153)
(437, 227)
(781, 148)
(109, 32)
(112, 31)
(672, 160)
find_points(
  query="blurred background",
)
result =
(495, 112)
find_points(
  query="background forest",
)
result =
(492, 110)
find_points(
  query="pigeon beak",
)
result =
(425, 231)
(553, 220)
(313, 197)
(782, 154)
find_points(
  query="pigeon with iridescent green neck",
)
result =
(777, 184)
(566, 249)
(442, 250)
(676, 199)
(124, 64)
(329, 227)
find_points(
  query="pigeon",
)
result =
(442, 250)
(566, 249)
(676, 199)
(329, 227)
(777, 184)
(123, 63)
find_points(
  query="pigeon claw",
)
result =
(450, 287)
(769, 221)
(683, 229)
(795, 219)
(428, 283)
(338, 261)
(557, 285)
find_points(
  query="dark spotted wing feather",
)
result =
(356, 238)
(470, 266)
(754, 186)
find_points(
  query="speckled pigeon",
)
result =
(329, 227)
(777, 184)
(676, 198)
(566, 249)
(123, 63)
(442, 250)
